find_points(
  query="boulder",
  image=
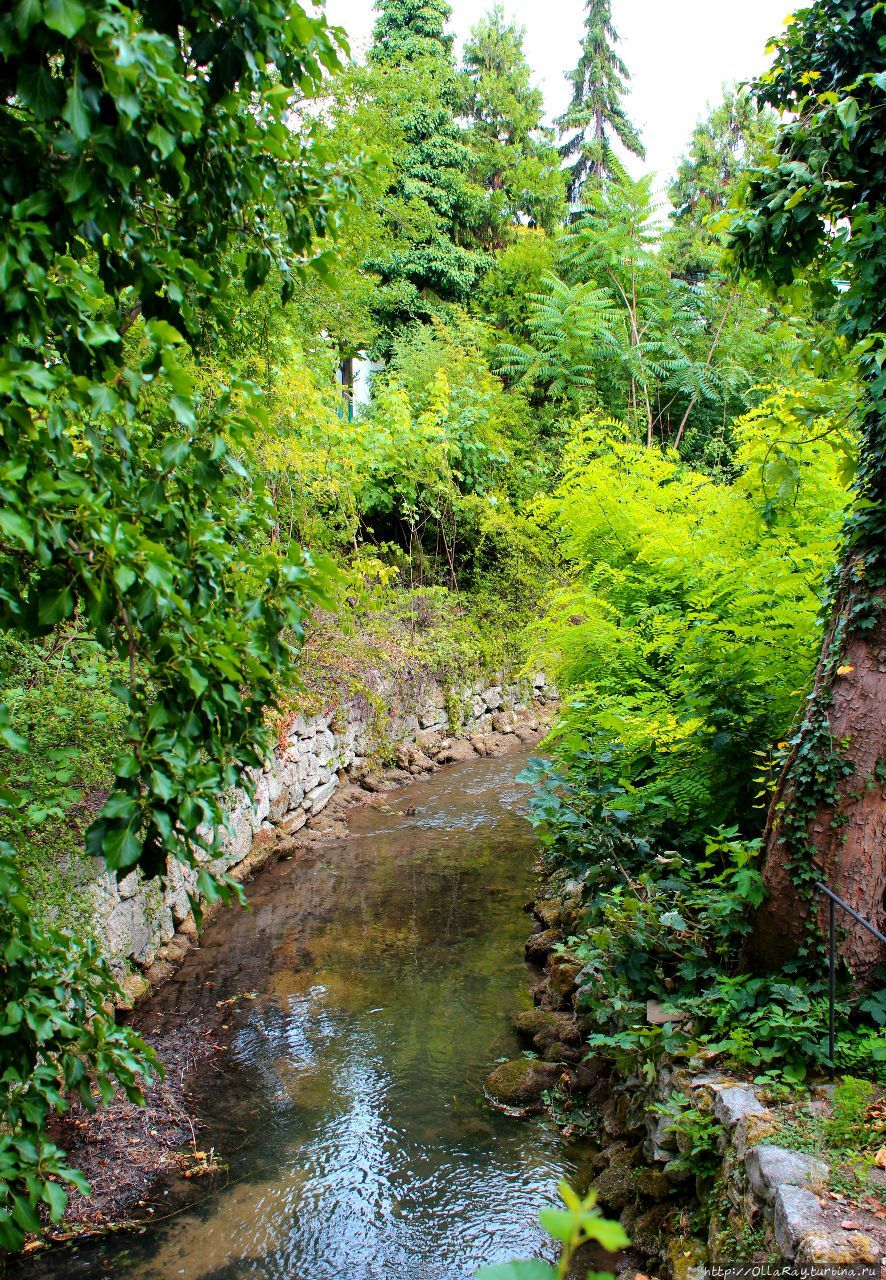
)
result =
(562, 979)
(458, 753)
(796, 1213)
(548, 912)
(429, 740)
(521, 1082)
(647, 1229)
(539, 946)
(734, 1101)
(838, 1248)
(769, 1167)
(544, 1028)
(615, 1185)
(653, 1184)
(686, 1256)
(316, 798)
(134, 987)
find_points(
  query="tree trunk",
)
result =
(827, 820)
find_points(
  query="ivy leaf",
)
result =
(847, 112)
(77, 112)
(57, 1199)
(40, 90)
(17, 527)
(25, 15)
(64, 16)
(162, 140)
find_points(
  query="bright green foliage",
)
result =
(573, 329)
(732, 138)
(515, 161)
(425, 255)
(58, 1039)
(517, 273)
(58, 693)
(685, 642)
(577, 1224)
(698, 1135)
(846, 1123)
(411, 32)
(123, 497)
(148, 171)
(596, 113)
(688, 630)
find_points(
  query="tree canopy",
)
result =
(515, 161)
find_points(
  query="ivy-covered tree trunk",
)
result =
(827, 820)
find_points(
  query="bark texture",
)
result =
(845, 842)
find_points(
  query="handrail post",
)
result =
(832, 978)
(835, 901)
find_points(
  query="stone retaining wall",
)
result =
(410, 727)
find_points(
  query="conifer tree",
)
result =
(432, 208)
(596, 113)
(515, 161)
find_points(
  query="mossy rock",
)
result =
(687, 1256)
(521, 1082)
(543, 1027)
(615, 1185)
(654, 1184)
(548, 912)
(557, 1051)
(539, 946)
(648, 1230)
(561, 981)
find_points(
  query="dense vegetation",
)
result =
(591, 442)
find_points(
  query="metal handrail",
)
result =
(834, 901)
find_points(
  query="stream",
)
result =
(382, 971)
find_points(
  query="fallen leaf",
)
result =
(880, 1158)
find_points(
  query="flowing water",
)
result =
(383, 969)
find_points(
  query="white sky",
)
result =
(679, 53)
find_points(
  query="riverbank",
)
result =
(703, 1164)
(131, 1156)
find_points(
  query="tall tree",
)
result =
(431, 209)
(732, 138)
(819, 208)
(596, 113)
(515, 161)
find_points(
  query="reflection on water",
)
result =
(350, 1107)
